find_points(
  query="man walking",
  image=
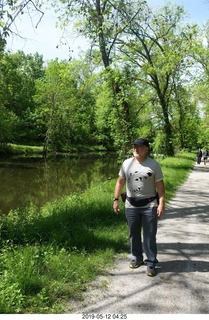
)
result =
(144, 203)
(205, 156)
(199, 156)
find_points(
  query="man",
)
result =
(144, 203)
(205, 156)
(199, 156)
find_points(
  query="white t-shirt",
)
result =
(141, 178)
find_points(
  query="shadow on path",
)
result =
(182, 283)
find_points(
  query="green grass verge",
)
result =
(48, 256)
(14, 149)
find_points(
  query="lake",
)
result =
(37, 181)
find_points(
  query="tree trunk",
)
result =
(122, 136)
(169, 148)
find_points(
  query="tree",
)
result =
(18, 73)
(8, 122)
(10, 10)
(158, 45)
(99, 21)
(65, 111)
(200, 55)
(186, 121)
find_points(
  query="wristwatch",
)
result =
(115, 199)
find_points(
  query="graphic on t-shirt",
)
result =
(137, 179)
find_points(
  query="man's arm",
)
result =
(118, 189)
(161, 192)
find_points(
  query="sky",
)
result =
(46, 37)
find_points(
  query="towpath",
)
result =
(182, 283)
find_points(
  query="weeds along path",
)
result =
(182, 283)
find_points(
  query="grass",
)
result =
(176, 171)
(14, 149)
(49, 256)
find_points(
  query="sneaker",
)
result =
(135, 264)
(151, 271)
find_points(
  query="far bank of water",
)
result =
(38, 181)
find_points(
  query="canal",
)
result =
(37, 181)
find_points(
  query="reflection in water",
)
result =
(24, 183)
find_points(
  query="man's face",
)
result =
(140, 151)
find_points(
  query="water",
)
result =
(37, 181)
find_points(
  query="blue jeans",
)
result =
(143, 219)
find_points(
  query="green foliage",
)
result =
(65, 109)
(149, 61)
(200, 87)
(8, 122)
(159, 53)
(155, 48)
(114, 117)
(17, 81)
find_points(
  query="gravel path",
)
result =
(182, 283)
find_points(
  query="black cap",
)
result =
(141, 142)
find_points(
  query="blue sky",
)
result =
(46, 37)
(198, 10)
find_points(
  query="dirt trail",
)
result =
(182, 283)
